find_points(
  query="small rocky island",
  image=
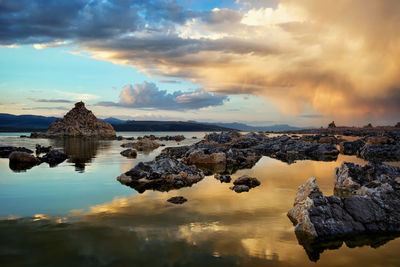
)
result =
(79, 122)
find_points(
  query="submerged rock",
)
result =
(177, 200)
(162, 174)
(371, 205)
(79, 122)
(129, 153)
(19, 161)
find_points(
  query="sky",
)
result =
(262, 62)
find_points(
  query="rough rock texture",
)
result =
(244, 183)
(129, 153)
(5, 151)
(54, 157)
(368, 203)
(144, 144)
(162, 174)
(80, 122)
(19, 161)
(177, 200)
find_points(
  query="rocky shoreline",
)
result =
(366, 201)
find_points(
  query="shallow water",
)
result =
(78, 213)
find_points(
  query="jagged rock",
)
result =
(80, 122)
(371, 206)
(129, 153)
(223, 178)
(54, 157)
(144, 144)
(332, 125)
(177, 200)
(19, 161)
(222, 138)
(42, 149)
(162, 174)
(380, 152)
(5, 151)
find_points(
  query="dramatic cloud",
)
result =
(334, 58)
(149, 96)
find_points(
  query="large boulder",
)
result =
(19, 161)
(80, 122)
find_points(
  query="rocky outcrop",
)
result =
(177, 200)
(129, 153)
(79, 122)
(332, 125)
(144, 144)
(19, 161)
(5, 151)
(367, 201)
(162, 174)
(244, 184)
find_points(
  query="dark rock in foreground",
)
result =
(5, 151)
(368, 203)
(177, 200)
(20, 161)
(162, 174)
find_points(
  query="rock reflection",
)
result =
(81, 151)
(314, 247)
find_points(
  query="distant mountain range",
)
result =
(14, 123)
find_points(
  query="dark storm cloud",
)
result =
(149, 96)
(41, 21)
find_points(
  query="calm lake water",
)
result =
(78, 214)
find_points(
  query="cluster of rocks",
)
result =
(78, 122)
(21, 158)
(244, 184)
(374, 148)
(366, 201)
(163, 174)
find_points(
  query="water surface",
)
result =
(78, 213)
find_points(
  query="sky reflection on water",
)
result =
(88, 217)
